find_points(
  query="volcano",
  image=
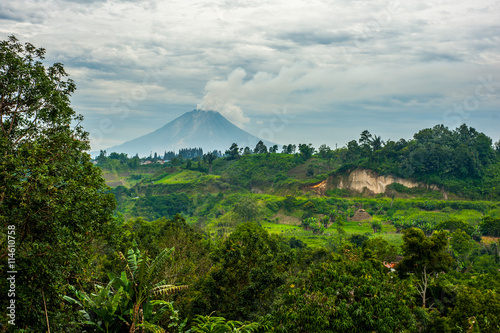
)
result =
(208, 130)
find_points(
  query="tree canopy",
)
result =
(50, 191)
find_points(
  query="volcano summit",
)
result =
(198, 128)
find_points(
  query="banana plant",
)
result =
(129, 299)
(145, 280)
(101, 310)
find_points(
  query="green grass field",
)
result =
(184, 177)
(351, 228)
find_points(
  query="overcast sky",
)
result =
(288, 71)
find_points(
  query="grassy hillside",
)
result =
(261, 188)
(184, 177)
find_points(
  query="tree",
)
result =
(260, 148)
(247, 209)
(177, 160)
(309, 210)
(186, 263)
(490, 226)
(376, 143)
(242, 282)
(50, 194)
(101, 159)
(344, 296)
(381, 249)
(358, 239)
(289, 149)
(209, 158)
(233, 152)
(454, 224)
(424, 256)
(376, 226)
(353, 151)
(365, 138)
(289, 203)
(461, 244)
(306, 151)
(325, 152)
(134, 162)
(476, 310)
(368, 140)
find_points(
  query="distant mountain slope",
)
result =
(206, 129)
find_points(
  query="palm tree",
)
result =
(376, 143)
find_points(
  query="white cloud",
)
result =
(219, 97)
(309, 87)
(245, 58)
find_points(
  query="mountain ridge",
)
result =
(208, 130)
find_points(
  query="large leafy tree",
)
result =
(50, 192)
(424, 257)
(260, 148)
(345, 296)
(242, 283)
(306, 151)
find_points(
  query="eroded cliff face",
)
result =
(360, 180)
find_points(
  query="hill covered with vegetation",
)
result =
(463, 162)
(431, 165)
